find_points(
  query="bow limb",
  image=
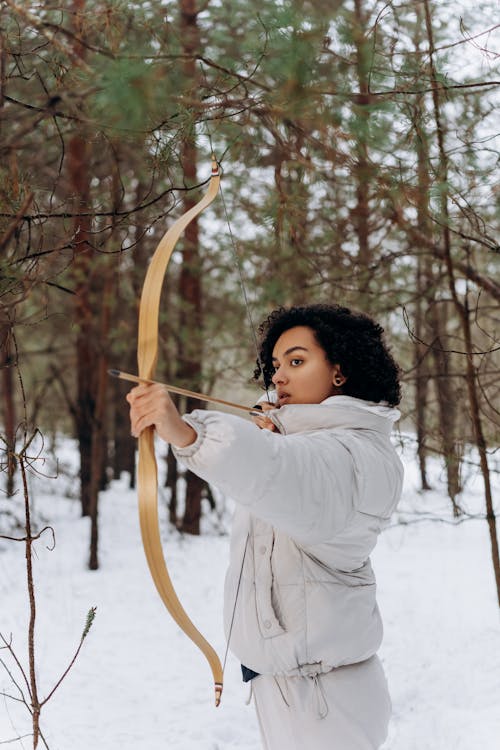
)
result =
(147, 352)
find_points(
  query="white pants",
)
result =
(345, 709)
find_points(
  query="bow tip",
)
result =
(218, 693)
(215, 166)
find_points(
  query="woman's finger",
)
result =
(264, 423)
(267, 406)
(144, 389)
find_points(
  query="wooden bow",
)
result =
(147, 352)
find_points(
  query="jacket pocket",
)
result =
(269, 624)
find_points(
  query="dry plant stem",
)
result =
(34, 706)
(35, 703)
(31, 700)
(88, 625)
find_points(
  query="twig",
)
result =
(11, 651)
(15, 739)
(88, 625)
(33, 538)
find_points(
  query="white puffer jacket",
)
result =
(312, 500)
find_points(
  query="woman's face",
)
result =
(303, 374)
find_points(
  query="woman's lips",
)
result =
(282, 397)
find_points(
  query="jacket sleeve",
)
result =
(302, 484)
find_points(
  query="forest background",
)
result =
(359, 148)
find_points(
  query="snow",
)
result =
(140, 683)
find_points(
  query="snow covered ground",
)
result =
(139, 682)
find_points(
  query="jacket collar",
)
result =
(335, 412)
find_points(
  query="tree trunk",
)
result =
(421, 389)
(481, 446)
(362, 169)
(124, 444)
(78, 153)
(447, 404)
(106, 294)
(424, 289)
(99, 424)
(192, 512)
(8, 403)
(431, 321)
(191, 340)
(171, 484)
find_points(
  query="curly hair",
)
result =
(350, 339)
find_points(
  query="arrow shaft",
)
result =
(175, 389)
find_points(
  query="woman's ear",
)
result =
(337, 378)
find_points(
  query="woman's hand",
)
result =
(151, 405)
(263, 422)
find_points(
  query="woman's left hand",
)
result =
(151, 405)
(263, 422)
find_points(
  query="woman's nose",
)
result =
(279, 376)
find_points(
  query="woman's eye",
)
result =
(295, 362)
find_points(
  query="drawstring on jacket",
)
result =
(287, 704)
(250, 693)
(276, 680)
(318, 699)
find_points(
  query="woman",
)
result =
(314, 486)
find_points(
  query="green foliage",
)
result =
(125, 97)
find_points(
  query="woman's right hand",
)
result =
(151, 406)
(263, 422)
